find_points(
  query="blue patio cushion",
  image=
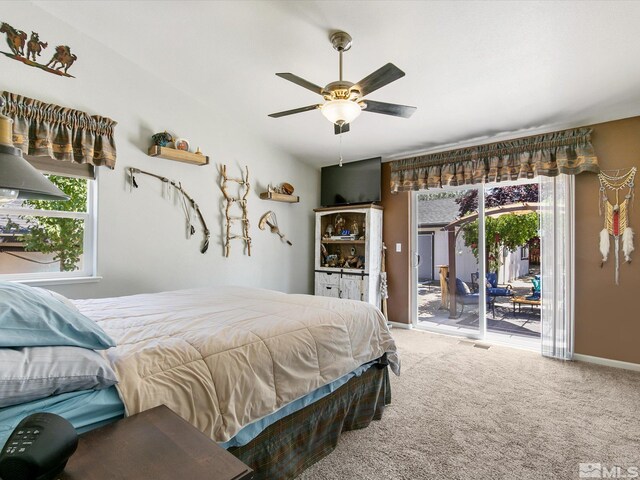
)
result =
(536, 284)
(493, 289)
(499, 292)
(464, 295)
(462, 288)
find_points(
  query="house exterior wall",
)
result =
(513, 267)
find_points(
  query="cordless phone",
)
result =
(38, 448)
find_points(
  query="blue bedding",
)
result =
(91, 409)
(86, 410)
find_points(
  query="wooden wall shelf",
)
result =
(279, 197)
(177, 155)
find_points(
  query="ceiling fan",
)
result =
(345, 100)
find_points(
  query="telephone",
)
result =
(38, 448)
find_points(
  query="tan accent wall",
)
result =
(396, 229)
(607, 316)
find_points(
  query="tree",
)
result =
(507, 231)
(497, 197)
(64, 237)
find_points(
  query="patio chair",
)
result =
(475, 285)
(465, 297)
(496, 290)
(493, 288)
(535, 290)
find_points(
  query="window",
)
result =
(51, 239)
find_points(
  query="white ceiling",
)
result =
(475, 70)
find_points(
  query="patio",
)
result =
(525, 322)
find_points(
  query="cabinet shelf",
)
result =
(347, 271)
(329, 241)
(279, 197)
(177, 155)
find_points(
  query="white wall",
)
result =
(141, 239)
(513, 266)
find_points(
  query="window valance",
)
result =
(46, 130)
(567, 151)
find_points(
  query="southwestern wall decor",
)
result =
(240, 199)
(616, 215)
(173, 190)
(28, 52)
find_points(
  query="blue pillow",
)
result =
(30, 318)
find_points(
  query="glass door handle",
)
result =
(418, 260)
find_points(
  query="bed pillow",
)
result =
(32, 373)
(31, 318)
(57, 296)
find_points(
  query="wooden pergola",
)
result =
(454, 229)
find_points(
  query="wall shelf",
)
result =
(279, 197)
(177, 155)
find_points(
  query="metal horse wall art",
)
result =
(17, 40)
(35, 46)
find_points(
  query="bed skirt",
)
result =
(294, 443)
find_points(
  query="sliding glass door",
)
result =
(447, 296)
(512, 233)
(481, 246)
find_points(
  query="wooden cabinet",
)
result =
(349, 252)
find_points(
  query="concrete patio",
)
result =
(525, 322)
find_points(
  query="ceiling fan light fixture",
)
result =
(340, 112)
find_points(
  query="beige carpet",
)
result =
(461, 412)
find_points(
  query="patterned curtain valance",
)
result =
(45, 130)
(567, 151)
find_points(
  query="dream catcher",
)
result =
(616, 216)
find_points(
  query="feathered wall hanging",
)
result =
(616, 216)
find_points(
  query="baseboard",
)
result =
(607, 362)
(406, 326)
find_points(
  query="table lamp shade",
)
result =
(18, 174)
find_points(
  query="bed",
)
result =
(273, 377)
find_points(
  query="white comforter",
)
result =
(225, 357)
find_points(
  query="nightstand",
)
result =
(156, 444)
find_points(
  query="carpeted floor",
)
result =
(462, 412)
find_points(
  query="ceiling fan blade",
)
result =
(378, 79)
(338, 130)
(295, 110)
(302, 82)
(388, 109)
